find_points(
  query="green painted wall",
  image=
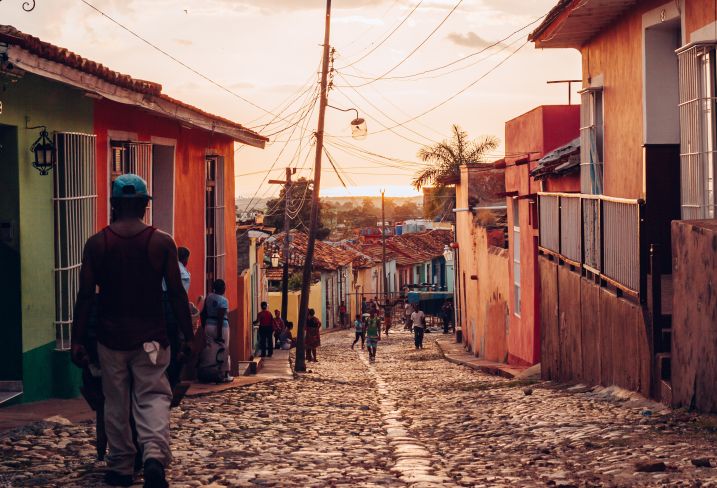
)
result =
(60, 108)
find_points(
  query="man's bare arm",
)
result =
(83, 303)
(177, 294)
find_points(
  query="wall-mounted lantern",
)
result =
(448, 253)
(275, 259)
(43, 150)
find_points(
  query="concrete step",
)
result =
(9, 390)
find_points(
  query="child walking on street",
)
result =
(360, 331)
(373, 333)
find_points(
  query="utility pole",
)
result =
(287, 243)
(383, 245)
(300, 364)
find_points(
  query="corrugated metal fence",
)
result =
(599, 233)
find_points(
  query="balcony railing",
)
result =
(597, 233)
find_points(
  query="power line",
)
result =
(461, 91)
(437, 68)
(385, 38)
(406, 58)
(176, 60)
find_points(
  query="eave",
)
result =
(572, 23)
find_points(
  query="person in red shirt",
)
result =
(266, 330)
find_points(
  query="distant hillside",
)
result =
(418, 200)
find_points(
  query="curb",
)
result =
(483, 368)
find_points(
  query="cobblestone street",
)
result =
(410, 419)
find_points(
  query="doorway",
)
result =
(163, 187)
(11, 330)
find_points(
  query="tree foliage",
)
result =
(444, 162)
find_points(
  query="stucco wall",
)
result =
(533, 135)
(63, 109)
(694, 319)
(192, 146)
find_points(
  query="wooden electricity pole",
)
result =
(285, 252)
(300, 364)
(383, 251)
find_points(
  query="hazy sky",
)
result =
(268, 52)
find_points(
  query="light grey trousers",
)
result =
(132, 375)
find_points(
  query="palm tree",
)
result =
(447, 157)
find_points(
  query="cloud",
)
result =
(471, 39)
(184, 42)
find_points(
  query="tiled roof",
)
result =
(411, 248)
(561, 161)
(326, 256)
(11, 36)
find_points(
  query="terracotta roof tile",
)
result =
(32, 44)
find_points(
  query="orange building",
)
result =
(527, 139)
(648, 153)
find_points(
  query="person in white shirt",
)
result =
(419, 323)
(183, 256)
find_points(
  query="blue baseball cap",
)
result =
(129, 186)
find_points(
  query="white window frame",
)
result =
(75, 208)
(592, 140)
(136, 158)
(698, 130)
(215, 220)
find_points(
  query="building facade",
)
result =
(609, 261)
(98, 124)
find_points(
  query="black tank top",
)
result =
(130, 300)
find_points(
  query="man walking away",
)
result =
(266, 331)
(419, 323)
(127, 261)
(373, 333)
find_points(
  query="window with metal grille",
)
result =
(516, 256)
(591, 141)
(75, 205)
(215, 235)
(698, 126)
(132, 157)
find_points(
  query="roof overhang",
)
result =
(572, 23)
(161, 104)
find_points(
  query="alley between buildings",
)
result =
(410, 419)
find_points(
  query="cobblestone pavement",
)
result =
(410, 419)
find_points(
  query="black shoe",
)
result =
(113, 478)
(154, 474)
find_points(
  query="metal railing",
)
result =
(599, 233)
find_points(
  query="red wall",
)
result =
(532, 134)
(189, 174)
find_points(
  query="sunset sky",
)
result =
(268, 52)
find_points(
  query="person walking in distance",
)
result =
(127, 261)
(419, 323)
(408, 311)
(359, 328)
(373, 333)
(312, 337)
(447, 312)
(342, 315)
(266, 331)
